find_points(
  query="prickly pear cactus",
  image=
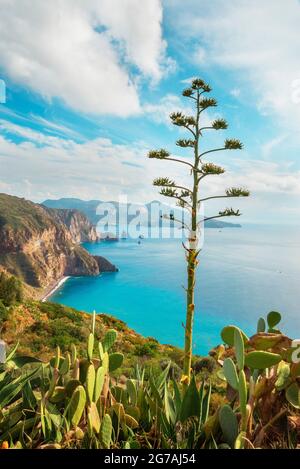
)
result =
(109, 340)
(256, 367)
(229, 424)
(115, 361)
(76, 405)
(106, 431)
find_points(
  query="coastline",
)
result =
(54, 287)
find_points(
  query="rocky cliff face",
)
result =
(78, 225)
(104, 265)
(40, 245)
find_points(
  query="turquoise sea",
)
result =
(244, 273)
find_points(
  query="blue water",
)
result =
(243, 274)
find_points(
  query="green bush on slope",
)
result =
(3, 312)
(40, 327)
(11, 291)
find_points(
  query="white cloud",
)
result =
(30, 134)
(160, 112)
(54, 127)
(274, 192)
(264, 177)
(200, 56)
(260, 39)
(269, 146)
(188, 81)
(41, 167)
(138, 26)
(47, 125)
(80, 51)
(236, 92)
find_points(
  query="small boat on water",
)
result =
(113, 238)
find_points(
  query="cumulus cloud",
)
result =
(236, 92)
(270, 145)
(82, 51)
(258, 39)
(264, 177)
(160, 112)
(41, 166)
(137, 25)
(30, 135)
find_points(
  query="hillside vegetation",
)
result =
(72, 380)
(41, 327)
(22, 215)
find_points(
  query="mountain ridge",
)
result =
(89, 208)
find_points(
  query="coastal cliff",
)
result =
(40, 245)
(79, 226)
(104, 265)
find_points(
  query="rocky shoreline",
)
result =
(52, 288)
(104, 267)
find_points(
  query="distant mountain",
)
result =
(221, 224)
(89, 208)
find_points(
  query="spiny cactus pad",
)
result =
(90, 347)
(292, 395)
(93, 418)
(227, 335)
(260, 360)
(76, 405)
(90, 382)
(109, 339)
(229, 424)
(115, 361)
(230, 373)
(99, 382)
(239, 348)
(273, 319)
(261, 325)
(106, 431)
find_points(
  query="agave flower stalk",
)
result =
(189, 197)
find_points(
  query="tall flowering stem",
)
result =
(189, 197)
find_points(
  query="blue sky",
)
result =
(90, 85)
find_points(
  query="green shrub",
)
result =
(175, 371)
(11, 290)
(205, 363)
(3, 312)
(152, 339)
(148, 349)
(64, 334)
(54, 311)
